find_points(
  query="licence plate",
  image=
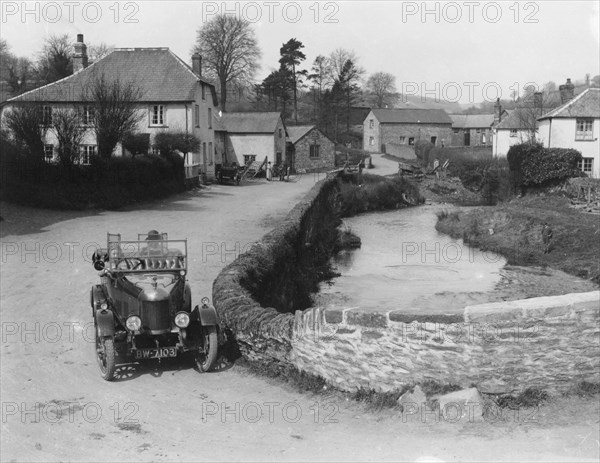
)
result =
(161, 352)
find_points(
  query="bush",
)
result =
(378, 193)
(170, 141)
(137, 143)
(480, 173)
(534, 165)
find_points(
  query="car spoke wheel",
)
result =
(105, 354)
(205, 361)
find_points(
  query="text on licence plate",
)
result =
(156, 353)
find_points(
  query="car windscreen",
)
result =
(148, 255)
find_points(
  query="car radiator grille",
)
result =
(155, 315)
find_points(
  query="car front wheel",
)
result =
(105, 354)
(205, 361)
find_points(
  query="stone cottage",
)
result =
(311, 149)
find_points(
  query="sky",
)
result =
(463, 51)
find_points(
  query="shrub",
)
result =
(531, 164)
(137, 143)
(171, 141)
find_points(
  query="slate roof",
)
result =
(586, 104)
(519, 118)
(258, 122)
(160, 74)
(472, 121)
(412, 116)
(296, 132)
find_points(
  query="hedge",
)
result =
(105, 184)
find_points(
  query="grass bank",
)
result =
(513, 229)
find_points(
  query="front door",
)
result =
(467, 138)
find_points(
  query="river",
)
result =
(405, 263)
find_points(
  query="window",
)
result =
(48, 153)
(371, 123)
(249, 158)
(210, 118)
(46, 116)
(433, 140)
(87, 115)
(513, 132)
(197, 115)
(371, 141)
(403, 140)
(204, 153)
(157, 115)
(85, 153)
(203, 91)
(210, 153)
(586, 165)
(280, 133)
(411, 141)
(478, 131)
(585, 129)
(314, 151)
(155, 151)
(456, 130)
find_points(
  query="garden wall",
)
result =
(506, 347)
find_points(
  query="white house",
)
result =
(246, 137)
(175, 96)
(575, 124)
(517, 126)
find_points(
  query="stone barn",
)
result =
(391, 130)
(312, 149)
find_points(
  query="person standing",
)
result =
(546, 237)
(269, 172)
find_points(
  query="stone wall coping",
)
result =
(535, 308)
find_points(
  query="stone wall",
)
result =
(506, 347)
(548, 342)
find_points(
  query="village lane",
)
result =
(53, 396)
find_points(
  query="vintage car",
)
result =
(232, 172)
(143, 308)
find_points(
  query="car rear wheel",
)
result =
(205, 361)
(105, 354)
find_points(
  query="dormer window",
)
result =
(157, 115)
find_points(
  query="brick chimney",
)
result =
(197, 64)
(497, 111)
(538, 103)
(567, 91)
(80, 57)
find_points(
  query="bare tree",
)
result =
(382, 87)
(69, 131)
(55, 60)
(28, 125)
(230, 51)
(114, 110)
(338, 59)
(97, 52)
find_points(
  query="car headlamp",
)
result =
(205, 301)
(182, 319)
(103, 306)
(133, 323)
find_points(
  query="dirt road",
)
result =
(55, 406)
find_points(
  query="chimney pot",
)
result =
(197, 64)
